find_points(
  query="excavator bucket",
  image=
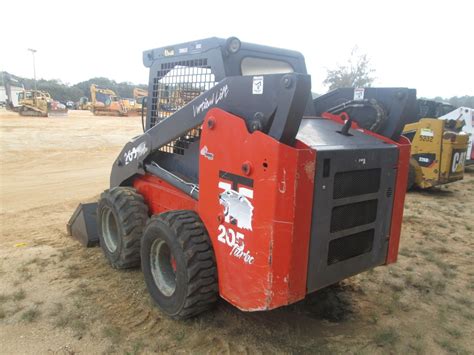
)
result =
(82, 225)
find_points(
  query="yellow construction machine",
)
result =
(83, 104)
(39, 103)
(438, 152)
(106, 102)
(139, 95)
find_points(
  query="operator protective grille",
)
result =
(356, 182)
(353, 215)
(176, 84)
(350, 246)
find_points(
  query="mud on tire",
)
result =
(178, 264)
(121, 219)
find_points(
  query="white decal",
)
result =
(240, 253)
(458, 161)
(183, 50)
(235, 240)
(229, 236)
(205, 153)
(359, 94)
(423, 160)
(362, 161)
(426, 132)
(238, 209)
(135, 153)
(257, 87)
(212, 100)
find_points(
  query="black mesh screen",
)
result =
(350, 246)
(353, 215)
(356, 182)
(176, 84)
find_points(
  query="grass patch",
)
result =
(19, 295)
(56, 310)
(426, 283)
(386, 337)
(72, 272)
(449, 346)
(113, 333)
(137, 346)
(25, 274)
(4, 298)
(464, 301)
(453, 332)
(72, 320)
(30, 315)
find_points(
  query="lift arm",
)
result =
(273, 104)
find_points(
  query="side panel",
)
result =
(161, 196)
(255, 199)
(399, 199)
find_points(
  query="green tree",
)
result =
(357, 72)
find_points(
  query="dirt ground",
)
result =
(57, 297)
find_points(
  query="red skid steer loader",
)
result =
(238, 189)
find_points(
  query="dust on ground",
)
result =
(56, 296)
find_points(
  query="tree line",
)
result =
(356, 72)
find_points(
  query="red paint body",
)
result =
(276, 247)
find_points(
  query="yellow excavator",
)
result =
(39, 103)
(106, 102)
(438, 152)
(139, 96)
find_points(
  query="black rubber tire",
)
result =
(130, 214)
(195, 274)
(411, 177)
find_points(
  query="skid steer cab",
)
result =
(238, 187)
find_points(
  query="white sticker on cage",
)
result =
(426, 132)
(359, 94)
(257, 87)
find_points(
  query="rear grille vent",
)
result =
(356, 182)
(353, 215)
(350, 246)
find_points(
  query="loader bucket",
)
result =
(82, 225)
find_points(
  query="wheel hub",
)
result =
(163, 267)
(110, 230)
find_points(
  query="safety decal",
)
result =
(257, 87)
(359, 94)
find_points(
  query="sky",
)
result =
(427, 45)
